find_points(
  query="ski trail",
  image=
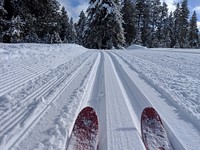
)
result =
(97, 100)
(120, 126)
(134, 98)
(18, 137)
(86, 95)
(166, 110)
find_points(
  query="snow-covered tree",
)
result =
(15, 30)
(176, 26)
(72, 32)
(155, 13)
(183, 18)
(142, 12)
(80, 27)
(103, 28)
(65, 26)
(163, 27)
(193, 32)
(55, 38)
(128, 13)
(3, 23)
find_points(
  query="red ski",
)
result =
(153, 133)
(85, 132)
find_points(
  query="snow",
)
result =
(44, 87)
(135, 46)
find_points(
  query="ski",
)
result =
(154, 135)
(84, 135)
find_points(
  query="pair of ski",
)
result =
(84, 135)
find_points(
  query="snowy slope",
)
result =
(43, 87)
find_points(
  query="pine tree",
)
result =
(3, 23)
(193, 32)
(65, 26)
(80, 27)
(142, 12)
(183, 32)
(128, 13)
(154, 14)
(163, 28)
(49, 21)
(72, 32)
(171, 30)
(176, 27)
(104, 25)
(14, 33)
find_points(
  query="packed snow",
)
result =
(44, 87)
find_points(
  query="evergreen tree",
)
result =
(72, 32)
(104, 25)
(170, 29)
(80, 27)
(48, 22)
(183, 32)
(154, 14)
(65, 26)
(3, 23)
(142, 12)
(163, 28)
(14, 33)
(176, 27)
(128, 13)
(39, 17)
(193, 32)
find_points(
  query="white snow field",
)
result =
(44, 87)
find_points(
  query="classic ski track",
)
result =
(73, 76)
(96, 99)
(15, 120)
(40, 92)
(92, 57)
(87, 94)
(171, 135)
(116, 108)
(16, 81)
(30, 75)
(175, 137)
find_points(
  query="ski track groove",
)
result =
(36, 94)
(72, 77)
(120, 129)
(98, 102)
(15, 118)
(166, 95)
(148, 103)
(86, 97)
(42, 88)
(16, 82)
(19, 116)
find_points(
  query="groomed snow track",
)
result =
(102, 79)
(118, 98)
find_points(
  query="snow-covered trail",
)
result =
(120, 123)
(122, 97)
(182, 130)
(42, 92)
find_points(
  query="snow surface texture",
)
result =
(44, 87)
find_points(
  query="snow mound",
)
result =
(29, 51)
(134, 46)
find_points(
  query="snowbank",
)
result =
(134, 46)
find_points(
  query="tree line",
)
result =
(106, 24)
(39, 21)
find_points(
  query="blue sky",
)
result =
(74, 7)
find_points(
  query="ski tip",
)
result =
(150, 112)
